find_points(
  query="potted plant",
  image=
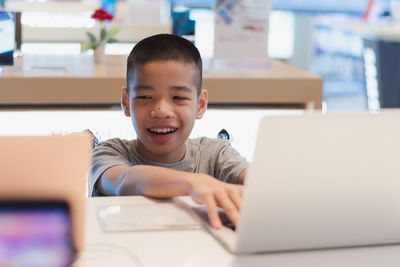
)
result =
(97, 44)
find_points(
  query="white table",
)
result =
(198, 248)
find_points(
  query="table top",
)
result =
(56, 79)
(197, 248)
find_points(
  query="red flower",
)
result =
(102, 15)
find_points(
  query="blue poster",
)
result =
(109, 6)
(7, 38)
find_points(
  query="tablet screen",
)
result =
(35, 234)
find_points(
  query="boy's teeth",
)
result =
(162, 130)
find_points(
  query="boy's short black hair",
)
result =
(164, 47)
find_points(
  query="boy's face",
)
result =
(163, 105)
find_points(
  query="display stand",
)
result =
(241, 32)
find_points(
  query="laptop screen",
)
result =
(7, 38)
(35, 234)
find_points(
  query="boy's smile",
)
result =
(163, 105)
(161, 134)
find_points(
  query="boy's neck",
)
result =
(167, 158)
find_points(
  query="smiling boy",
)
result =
(163, 98)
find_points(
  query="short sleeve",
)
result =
(106, 155)
(229, 164)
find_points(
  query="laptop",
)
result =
(320, 181)
(47, 169)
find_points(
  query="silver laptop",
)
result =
(320, 181)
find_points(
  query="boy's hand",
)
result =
(207, 190)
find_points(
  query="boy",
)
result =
(164, 98)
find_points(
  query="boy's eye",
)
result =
(143, 97)
(179, 98)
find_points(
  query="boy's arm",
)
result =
(162, 182)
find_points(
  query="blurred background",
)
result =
(326, 37)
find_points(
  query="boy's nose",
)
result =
(161, 110)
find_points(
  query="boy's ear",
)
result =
(202, 103)
(125, 102)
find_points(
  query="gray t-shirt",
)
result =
(214, 157)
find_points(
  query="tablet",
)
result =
(35, 234)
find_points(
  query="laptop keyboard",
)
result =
(202, 214)
(226, 222)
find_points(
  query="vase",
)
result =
(99, 55)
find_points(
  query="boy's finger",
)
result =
(240, 190)
(236, 198)
(212, 212)
(229, 208)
